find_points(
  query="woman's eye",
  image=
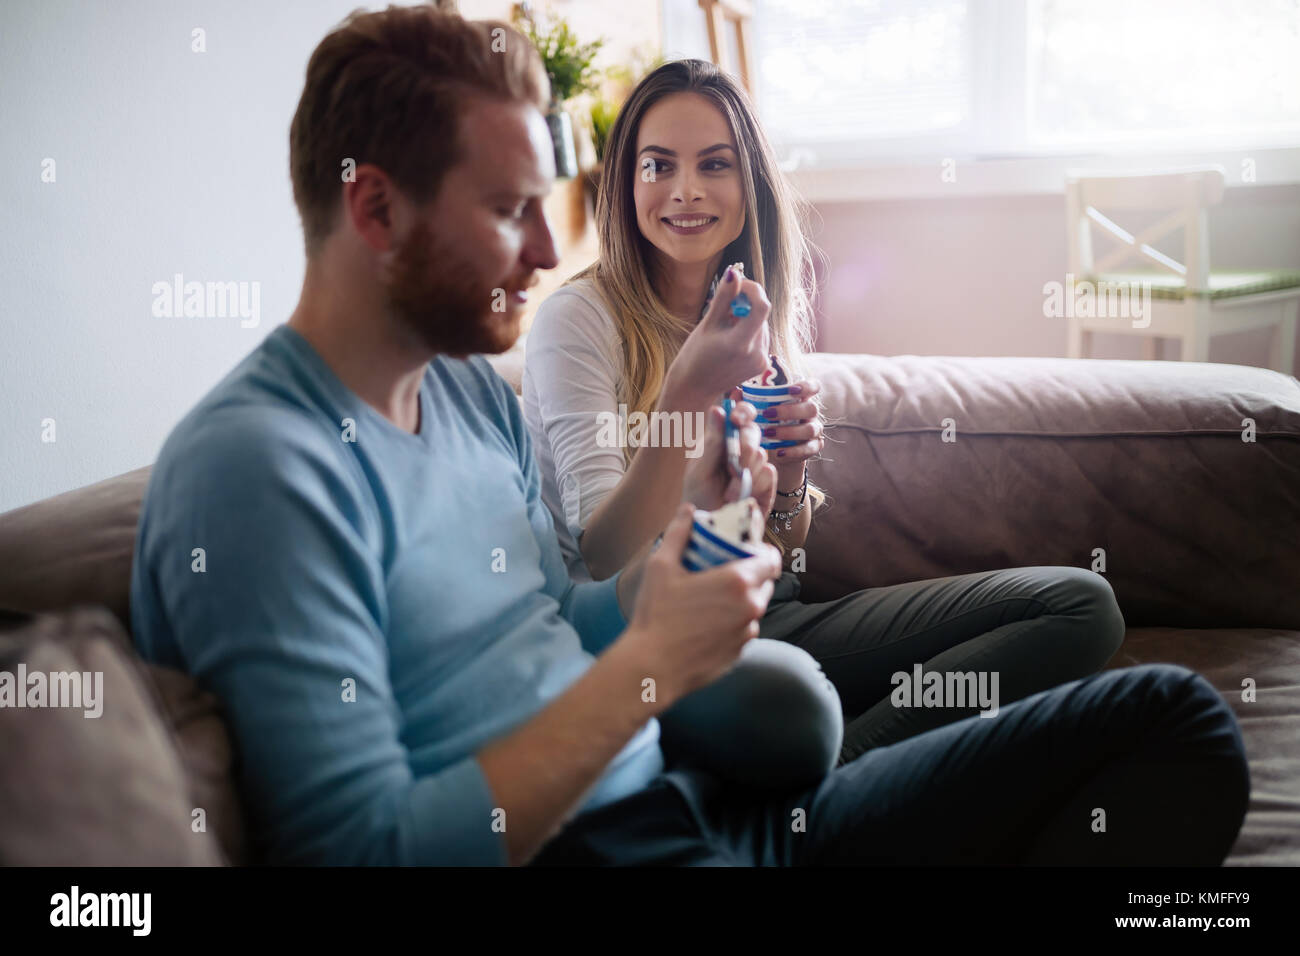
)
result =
(657, 165)
(514, 213)
(713, 165)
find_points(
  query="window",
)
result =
(1191, 71)
(842, 82)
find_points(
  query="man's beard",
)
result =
(435, 292)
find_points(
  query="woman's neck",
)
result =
(683, 286)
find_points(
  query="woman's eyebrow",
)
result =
(670, 152)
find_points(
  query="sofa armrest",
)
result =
(73, 548)
(938, 466)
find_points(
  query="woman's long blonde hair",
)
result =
(772, 245)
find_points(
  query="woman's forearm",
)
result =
(636, 510)
(801, 523)
(644, 500)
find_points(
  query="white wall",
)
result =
(167, 161)
(964, 275)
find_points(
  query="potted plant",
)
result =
(603, 114)
(568, 64)
(618, 84)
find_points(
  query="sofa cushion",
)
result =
(1055, 458)
(118, 789)
(74, 548)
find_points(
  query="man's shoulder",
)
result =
(229, 464)
(476, 387)
(249, 427)
(239, 429)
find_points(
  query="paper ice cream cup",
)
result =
(763, 397)
(707, 548)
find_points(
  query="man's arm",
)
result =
(687, 630)
(599, 611)
(280, 616)
(541, 773)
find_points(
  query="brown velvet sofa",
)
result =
(936, 466)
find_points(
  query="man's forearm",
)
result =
(629, 583)
(541, 771)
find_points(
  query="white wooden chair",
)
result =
(1188, 301)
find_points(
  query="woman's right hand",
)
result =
(723, 350)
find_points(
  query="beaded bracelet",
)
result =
(788, 516)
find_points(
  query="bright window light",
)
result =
(1193, 70)
(842, 81)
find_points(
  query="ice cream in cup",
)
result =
(768, 390)
(732, 532)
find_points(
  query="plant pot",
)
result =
(566, 150)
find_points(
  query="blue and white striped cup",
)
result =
(769, 396)
(706, 549)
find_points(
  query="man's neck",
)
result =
(365, 350)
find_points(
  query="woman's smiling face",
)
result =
(687, 191)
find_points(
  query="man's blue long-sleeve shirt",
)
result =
(372, 607)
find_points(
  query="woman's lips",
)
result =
(690, 230)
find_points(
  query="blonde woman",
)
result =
(690, 190)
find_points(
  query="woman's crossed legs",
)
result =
(776, 722)
(1028, 629)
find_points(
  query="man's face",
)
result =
(458, 277)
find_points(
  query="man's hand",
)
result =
(709, 483)
(688, 628)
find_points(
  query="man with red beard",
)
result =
(379, 600)
(345, 541)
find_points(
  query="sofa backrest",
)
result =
(942, 466)
(1052, 461)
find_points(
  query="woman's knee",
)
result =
(1087, 599)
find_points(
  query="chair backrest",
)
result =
(1183, 194)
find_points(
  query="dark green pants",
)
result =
(775, 722)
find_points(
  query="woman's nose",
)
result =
(687, 187)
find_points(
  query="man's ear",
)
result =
(377, 206)
(368, 204)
